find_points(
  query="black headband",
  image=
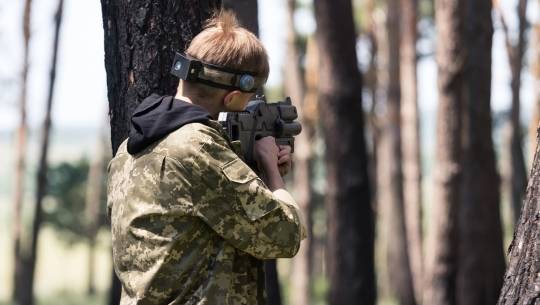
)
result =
(191, 69)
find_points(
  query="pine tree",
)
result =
(350, 216)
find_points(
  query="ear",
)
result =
(231, 99)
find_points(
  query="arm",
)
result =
(266, 155)
(237, 205)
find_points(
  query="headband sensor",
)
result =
(190, 69)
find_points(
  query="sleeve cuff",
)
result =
(286, 197)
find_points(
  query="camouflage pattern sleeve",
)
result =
(235, 203)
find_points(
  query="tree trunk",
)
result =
(371, 82)
(246, 11)
(479, 277)
(141, 38)
(517, 174)
(20, 165)
(410, 139)
(350, 217)
(441, 265)
(535, 67)
(375, 79)
(389, 165)
(294, 87)
(93, 200)
(41, 180)
(140, 41)
(115, 292)
(521, 279)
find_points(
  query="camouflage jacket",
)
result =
(191, 222)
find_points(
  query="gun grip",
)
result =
(287, 142)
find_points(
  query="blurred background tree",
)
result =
(350, 216)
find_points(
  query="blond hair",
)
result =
(225, 43)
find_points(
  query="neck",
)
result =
(210, 107)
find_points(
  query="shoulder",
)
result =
(191, 140)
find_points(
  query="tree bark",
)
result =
(441, 265)
(140, 41)
(141, 38)
(27, 288)
(480, 232)
(521, 280)
(350, 225)
(389, 163)
(410, 139)
(20, 164)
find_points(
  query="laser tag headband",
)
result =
(191, 69)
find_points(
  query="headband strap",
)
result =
(190, 69)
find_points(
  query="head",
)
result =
(224, 43)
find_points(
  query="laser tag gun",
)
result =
(259, 120)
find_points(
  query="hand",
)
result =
(266, 154)
(284, 160)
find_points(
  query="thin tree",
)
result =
(27, 287)
(441, 265)
(20, 162)
(140, 40)
(521, 279)
(410, 140)
(295, 88)
(374, 78)
(535, 67)
(389, 162)
(371, 82)
(350, 216)
(517, 175)
(94, 191)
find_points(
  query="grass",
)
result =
(61, 275)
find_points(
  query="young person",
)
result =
(191, 222)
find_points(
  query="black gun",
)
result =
(262, 119)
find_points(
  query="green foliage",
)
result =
(64, 208)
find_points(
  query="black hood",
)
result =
(157, 116)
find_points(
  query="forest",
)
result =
(417, 170)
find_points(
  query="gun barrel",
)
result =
(288, 112)
(290, 129)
